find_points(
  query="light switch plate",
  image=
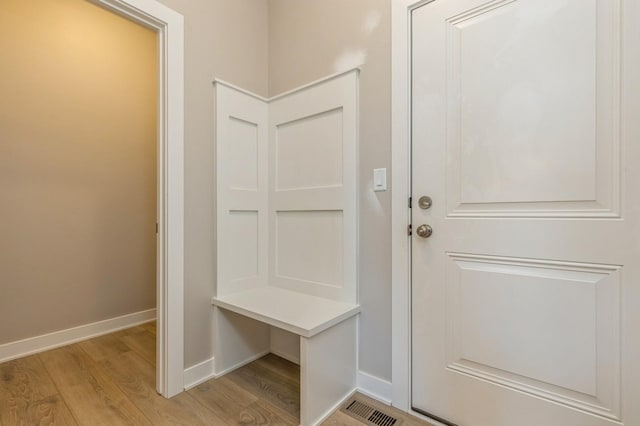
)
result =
(379, 179)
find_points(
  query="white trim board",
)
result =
(169, 26)
(45, 342)
(241, 363)
(199, 373)
(400, 219)
(375, 387)
(288, 92)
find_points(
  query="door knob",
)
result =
(424, 231)
(425, 202)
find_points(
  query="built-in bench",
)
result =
(286, 230)
(328, 336)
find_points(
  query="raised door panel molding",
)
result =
(533, 119)
(565, 348)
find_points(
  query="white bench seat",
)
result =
(326, 329)
(295, 312)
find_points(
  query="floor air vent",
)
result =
(368, 414)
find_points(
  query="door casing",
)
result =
(400, 213)
(169, 26)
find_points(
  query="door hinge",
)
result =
(409, 231)
(409, 202)
(156, 227)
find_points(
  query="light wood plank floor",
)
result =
(110, 380)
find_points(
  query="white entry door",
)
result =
(526, 137)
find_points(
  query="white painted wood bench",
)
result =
(328, 336)
(286, 231)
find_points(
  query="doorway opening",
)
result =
(167, 27)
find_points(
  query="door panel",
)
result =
(513, 71)
(518, 136)
(543, 327)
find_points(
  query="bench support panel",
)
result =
(328, 368)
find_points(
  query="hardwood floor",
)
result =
(110, 380)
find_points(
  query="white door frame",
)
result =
(400, 213)
(170, 255)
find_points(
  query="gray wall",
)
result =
(314, 38)
(78, 114)
(225, 39)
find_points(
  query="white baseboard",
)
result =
(375, 387)
(289, 357)
(45, 342)
(199, 373)
(241, 364)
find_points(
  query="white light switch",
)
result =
(379, 179)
